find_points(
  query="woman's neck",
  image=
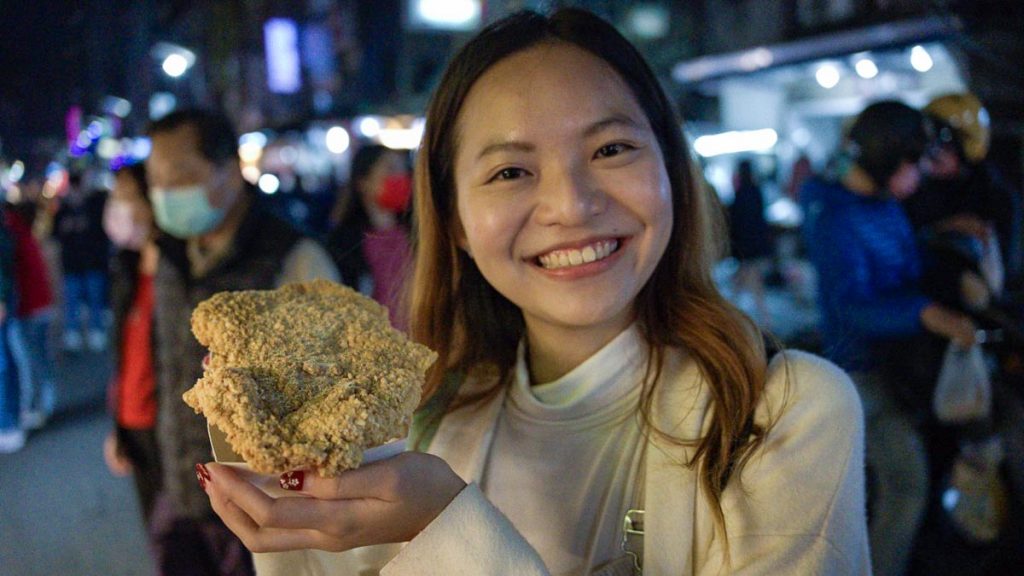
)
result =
(554, 351)
(380, 219)
(149, 256)
(857, 181)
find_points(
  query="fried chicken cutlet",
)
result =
(305, 376)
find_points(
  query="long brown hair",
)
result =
(458, 314)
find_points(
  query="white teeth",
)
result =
(576, 257)
(589, 254)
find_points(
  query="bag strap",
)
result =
(427, 419)
(633, 523)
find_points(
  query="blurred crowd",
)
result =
(915, 240)
(914, 237)
(138, 248)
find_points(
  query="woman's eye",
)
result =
(609, 150)
(509, 174)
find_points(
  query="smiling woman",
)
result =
(575, 172)
(589, 372)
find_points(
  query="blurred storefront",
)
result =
(783, 102)
(317, 78)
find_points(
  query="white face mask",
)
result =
(185, 211)
(121, 226)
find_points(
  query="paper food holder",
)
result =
(224, 454)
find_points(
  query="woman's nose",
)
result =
(570, 198)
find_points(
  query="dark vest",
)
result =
(259, 250)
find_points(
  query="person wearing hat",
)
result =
(864, 250)
(962, 192)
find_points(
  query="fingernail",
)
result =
(203, 475)
(206, 362)
(292, 480)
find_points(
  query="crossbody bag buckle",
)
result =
(633, 538)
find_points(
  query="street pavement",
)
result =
(61, 511)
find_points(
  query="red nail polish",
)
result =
(203, 475)
(292, 480)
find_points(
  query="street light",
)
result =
(175, 65)
(337, 140)
(827, 75)
(175, 60)
(920, 59)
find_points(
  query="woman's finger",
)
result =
(336, 517)
(226, 482)
(375, 480)
(263, 539)
(261, 522)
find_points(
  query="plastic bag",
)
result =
(964, 391)
(991, 265)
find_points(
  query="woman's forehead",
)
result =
(549, 83)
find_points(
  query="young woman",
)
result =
(562, 275)
(131, 446)
(370, 242)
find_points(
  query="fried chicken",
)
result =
(305, 376)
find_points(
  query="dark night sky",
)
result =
(42, 62)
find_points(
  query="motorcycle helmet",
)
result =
(884, 136)
(968, 121)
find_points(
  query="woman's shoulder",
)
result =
(804, 388)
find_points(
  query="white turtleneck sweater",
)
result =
(566, 453)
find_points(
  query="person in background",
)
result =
(31, 320)
(750, 240)
(963, 194)
(863, 247)
(589, 373)
(215, 238)
(12, 435)
(370, 241)
(84, 256)
(798, 175)
(131, 447)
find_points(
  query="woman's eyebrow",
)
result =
(623, 120)
(610, 122)
(505, 146)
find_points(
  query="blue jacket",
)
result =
(868, 271)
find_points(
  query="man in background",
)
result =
(216, 238)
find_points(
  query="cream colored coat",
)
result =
(797, 509)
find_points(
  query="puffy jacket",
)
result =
(868, 272)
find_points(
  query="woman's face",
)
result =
(388, 164)
(126, 189)
(562, 191)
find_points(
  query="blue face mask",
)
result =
(185, 211)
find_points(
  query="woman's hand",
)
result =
(117, 461)
(966, 225)
(387, 501)
(949, 324)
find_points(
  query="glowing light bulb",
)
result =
(920, 59)
(337, 139)
(866, 68)
(175, 65)
(827, 76)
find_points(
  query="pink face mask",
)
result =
(121, 226)
(395, 193)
